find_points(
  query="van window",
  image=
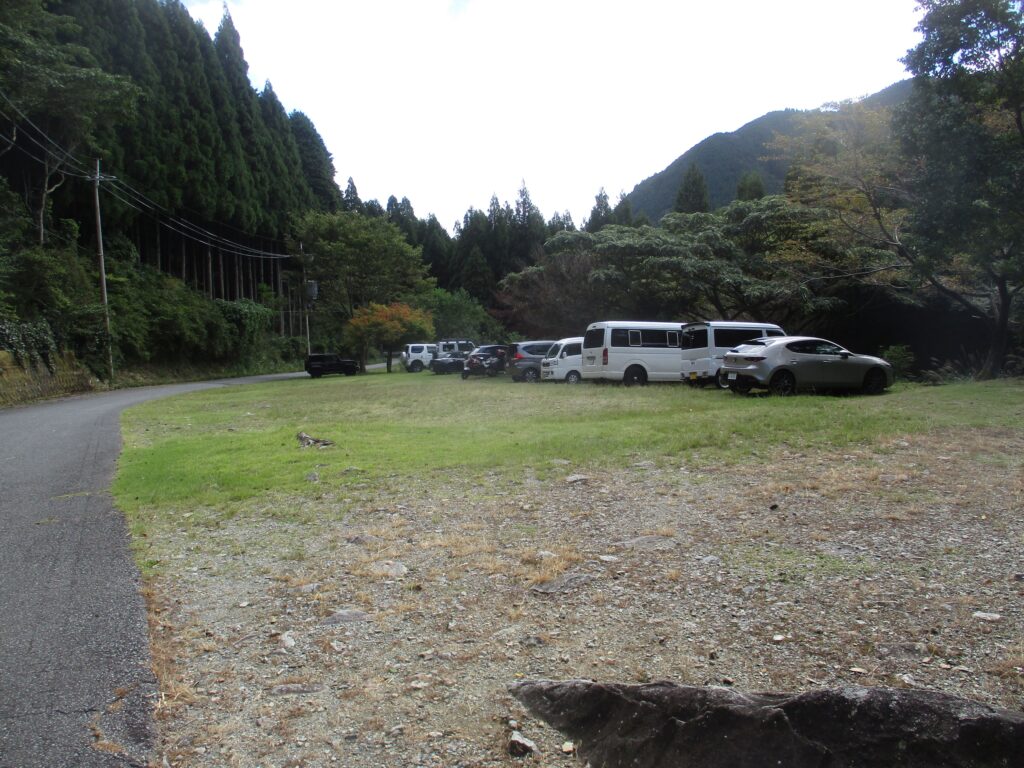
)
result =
(774, 332)
(571, 349)
(415, 348)
(731, 337)
(620, 337)
(695, 338)
(659, 338)
(594, 338)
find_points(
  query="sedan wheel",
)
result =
(874, 382)
(783, 384)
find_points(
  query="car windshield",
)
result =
(553, 352)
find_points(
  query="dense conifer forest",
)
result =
(138, 165)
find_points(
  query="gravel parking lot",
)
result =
(371, 629)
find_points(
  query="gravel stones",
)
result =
(650, 574)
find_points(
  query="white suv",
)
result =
(416, 357)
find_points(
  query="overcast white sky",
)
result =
(448, 102)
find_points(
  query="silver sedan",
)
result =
(785, 364)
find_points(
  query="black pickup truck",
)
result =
(319, 364)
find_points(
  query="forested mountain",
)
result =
(128, 132)
(725, 158)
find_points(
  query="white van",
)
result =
(564, 361)
(631, 351)
(455, 345)
(705, 344)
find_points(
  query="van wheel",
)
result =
(720, 380)
(573, 377)
(416, 366)
(635, 375)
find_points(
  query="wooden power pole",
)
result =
(103, 277)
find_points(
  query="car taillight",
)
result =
(604, 356)
(753, 359)
(520, 356)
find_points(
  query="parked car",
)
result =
(525, 358)
(319, 364)
(784, 365)
(416, 357)
(488, 360)
(449, 362)
(564, 361)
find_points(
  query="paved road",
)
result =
(76, 688)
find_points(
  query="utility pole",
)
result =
(103, 277)
(305, 299)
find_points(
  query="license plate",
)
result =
(731, 377)
(693, 376)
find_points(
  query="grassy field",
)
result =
(220, 448)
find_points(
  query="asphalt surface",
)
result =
(76, 686)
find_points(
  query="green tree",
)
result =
(438, 250)
(750, 186)
(527, 234)
(693, 194)
(317, 163)
(963, 131)
(350, 200)
(753, 260)
(457, 315)
(622, 213)
(601, 214)
(64, 100)
(401, 214)
(356, 260)
(929, 198)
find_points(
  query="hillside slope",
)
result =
(725, 157)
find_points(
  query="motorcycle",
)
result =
(484, 364)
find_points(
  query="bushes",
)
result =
(29, 342)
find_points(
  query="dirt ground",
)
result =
(376, 627)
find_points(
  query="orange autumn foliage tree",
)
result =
(389, 326)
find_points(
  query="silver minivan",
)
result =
(705, 344)
(564, 361)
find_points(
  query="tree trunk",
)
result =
(999, 339)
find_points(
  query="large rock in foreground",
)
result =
(663, 725)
